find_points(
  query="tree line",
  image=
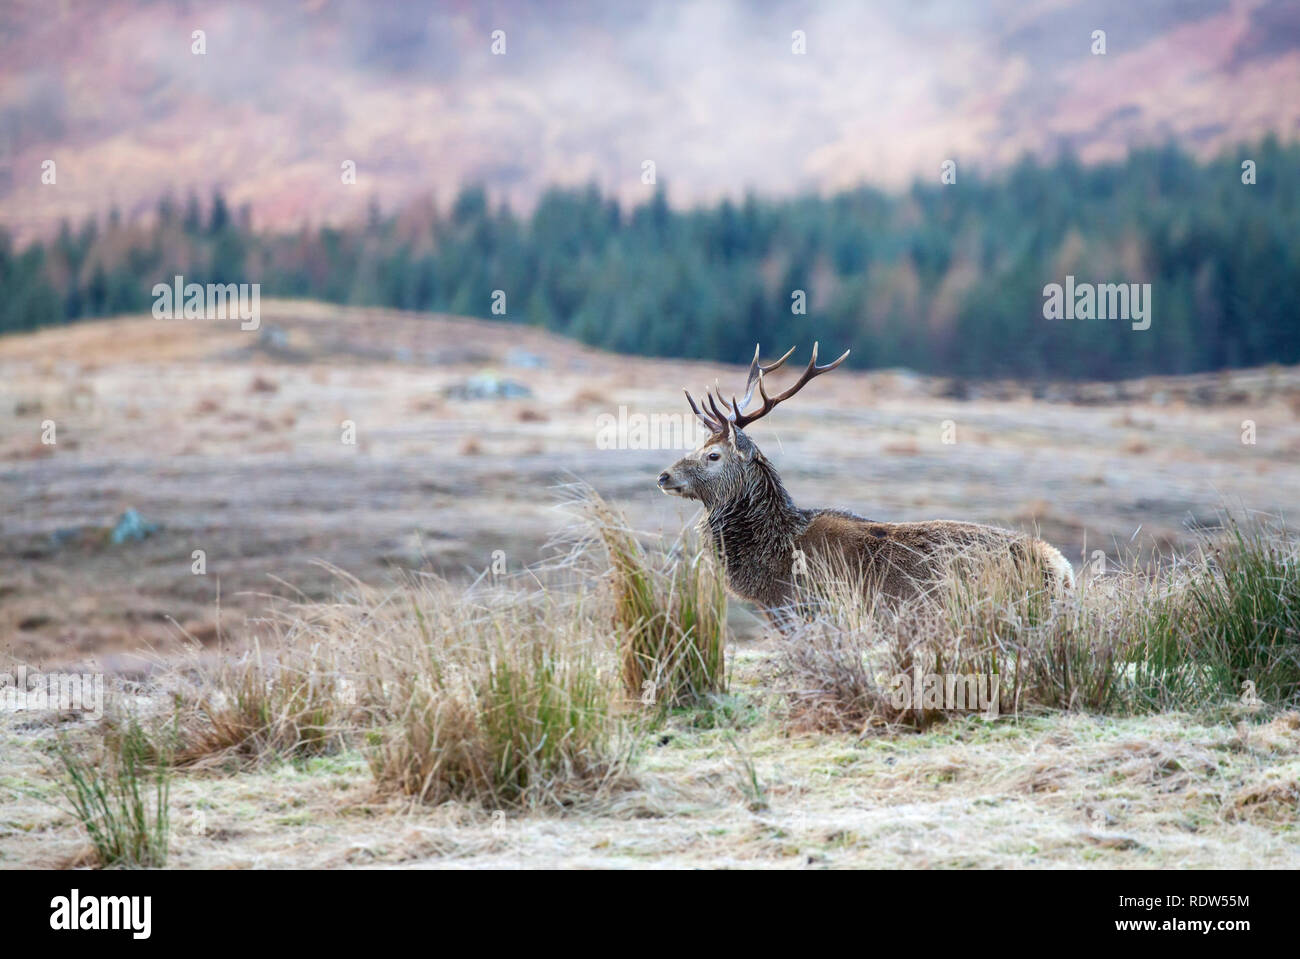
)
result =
(941, 278)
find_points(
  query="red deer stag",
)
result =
(760, 532)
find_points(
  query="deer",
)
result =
(763, 538)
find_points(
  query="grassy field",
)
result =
(1064, 790)
(334, 692)
(231, 443)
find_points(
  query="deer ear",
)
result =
(739, 445)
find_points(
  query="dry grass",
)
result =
(1192, 635)
(432, 723)
(503, 695)
(492, 695)
(256, 706)
(1061, 790)
(501, 699)
(670, 611)
(497, 725)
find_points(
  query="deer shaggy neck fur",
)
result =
(754, 525)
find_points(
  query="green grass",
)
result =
(1243, 613)
(123, 801)
(751, 787)
(670, 611)
(543, 715)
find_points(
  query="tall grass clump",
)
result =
(293, 700)
(852, 656)
(492, 696)
(1050, 649)
(1188, 635)
(670, 614)
(122, 801)
(1233, 625)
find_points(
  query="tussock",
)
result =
(291, 702)
(1197, 634)
(503, 699)
(503, 695)
(121, 800)
(670, 612)
(492, 695)
(1273, 802)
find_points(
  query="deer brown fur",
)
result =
(762, 534)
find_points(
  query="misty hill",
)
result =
(711, 91)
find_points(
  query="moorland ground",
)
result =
(231, 442)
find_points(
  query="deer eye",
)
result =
(715, 455)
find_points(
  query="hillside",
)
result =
(113, 91)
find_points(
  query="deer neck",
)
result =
(756, 527)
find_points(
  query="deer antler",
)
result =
(729, 415)
(718, 420)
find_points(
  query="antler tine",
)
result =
(717, 391)
(808, 374)
(723, 419)
(781, 362)
(769, 402)
(704, 417)
(756, 372)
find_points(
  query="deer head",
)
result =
(720, 469)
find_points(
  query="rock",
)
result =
(488, 386)
(273, 338)
(274, 341)
(455, 356)
(65, 535)
(953, 389)
(132, 527)
(524, 360)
